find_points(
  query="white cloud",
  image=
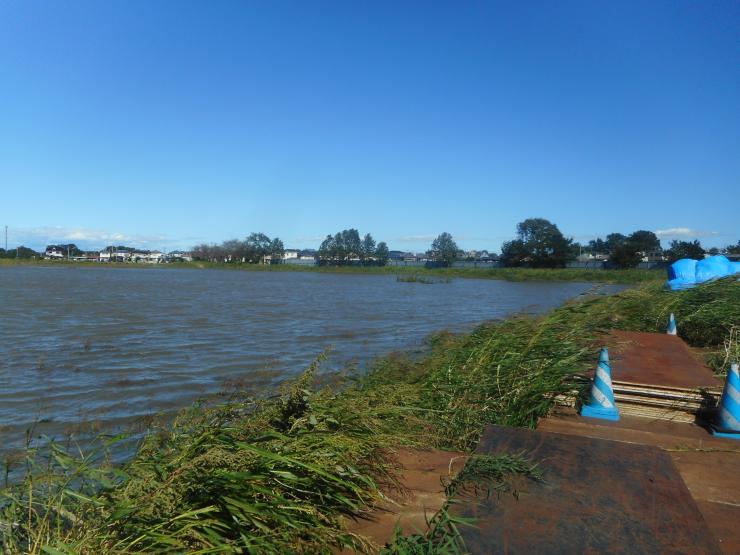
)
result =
(415, 238)
(458, 238)
(674, 232)
(308, 239)
(39, 237)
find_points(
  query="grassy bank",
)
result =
(281, 475)
(631, 276)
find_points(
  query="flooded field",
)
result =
(107, 345)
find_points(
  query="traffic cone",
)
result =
(728, 415)
(601, 404)
(671, 325)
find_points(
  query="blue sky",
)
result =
(163, 124)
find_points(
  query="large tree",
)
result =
(339, 252)
(277, 250)
(514, 253)
(235, 250)
(326, 249)
(367, 250)
(613, 240)
(684, 249)
(381, 254)
(257, 247)
(540, 244)
(625, 255)
(352, 244)
(444, 249)
(597, 246)
(645, 241)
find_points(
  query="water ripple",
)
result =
(109, 346)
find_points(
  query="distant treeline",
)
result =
(342, 249)
(20, 252)
(258, 248)
(539, 244)
(625, 251)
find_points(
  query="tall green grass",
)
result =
(284, 475)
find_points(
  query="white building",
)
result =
(115, 256)
(154, 257)
(180, 256)
(54, 254)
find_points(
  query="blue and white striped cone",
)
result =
(601, 404)
(728, 416)
(671, 325)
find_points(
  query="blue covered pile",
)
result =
(686, 272)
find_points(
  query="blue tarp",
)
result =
(686, 272)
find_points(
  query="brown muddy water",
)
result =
(107, 346)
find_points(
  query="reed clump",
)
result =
(281, 475)
(415, 278)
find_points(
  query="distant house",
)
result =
(54, 253)
(481, 256)
(306, 254)
(115, 256)
(306, 257)
(401, 255)
(148, 257)
(653, 256)
(591, 257)
(180, 256)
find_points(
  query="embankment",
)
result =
(627, 276)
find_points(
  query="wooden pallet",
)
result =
(658, 402)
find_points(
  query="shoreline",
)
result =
(305, 462)
(631, 276)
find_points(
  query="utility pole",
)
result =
(6, 238)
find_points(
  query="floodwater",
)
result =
(109, 346)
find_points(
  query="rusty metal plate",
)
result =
(597, 496)
(657, 359)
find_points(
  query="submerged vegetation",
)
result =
(415, 278)
(283, 475)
